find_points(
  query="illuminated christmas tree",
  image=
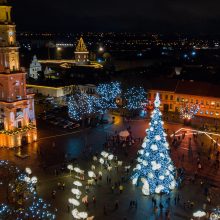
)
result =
(155, 168)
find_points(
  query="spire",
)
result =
(81, 47)
(157, 101)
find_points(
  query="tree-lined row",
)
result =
(81, 105)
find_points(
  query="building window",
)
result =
(207, 112)
(212, 103)
(202, 102)
(182, 99)
(161, 96)
(207, 102)
(191, 100)
(149, 95)
(177, 99)
(217, 104)
(211, 113)
(171, 97)
(19, 124)
(171, 106)
(166, 97)
(217, 113)
(197, 102)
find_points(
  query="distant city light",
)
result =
(101, 49)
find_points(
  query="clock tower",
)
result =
(17, 115)
(9, 55)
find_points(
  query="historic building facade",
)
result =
(35, 68)
(81, 53)
(17, 115)
(175, 94)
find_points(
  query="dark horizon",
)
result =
(161, 16)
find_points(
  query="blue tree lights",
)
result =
(135, 97)
(81, 105)
(155, 168)
(189, 110)
(22, 199)
(107, 95)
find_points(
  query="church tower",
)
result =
(17, 115)
(81, 53)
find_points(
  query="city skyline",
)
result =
(159, 16)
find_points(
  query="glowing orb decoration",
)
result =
(28, 170)
(150, 175)
(34, 179)
(154, 147)
(159, 188)
(157, 137)
(143, 145)
(161, 177)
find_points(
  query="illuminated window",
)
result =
(191, 100)
(166, 97)
(202, 102)
(177, 99)
(217, 113)
(212, 103)
(207, 102)
(171, 97)
(201, 112)
(182, 99)
(171, 106)
(207, 112)
(211, 113)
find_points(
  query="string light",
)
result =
(29, 206)
(135, 98)
(107, 96)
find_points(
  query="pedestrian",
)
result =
(121, 188)
(63, 186)
(94, 200)
(104, 210)
(135, 205)
(68, 208)
(131, 204)
(161, 206)
(178, 198)
(116, 204)
(113, 188)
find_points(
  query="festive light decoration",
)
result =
(107, 96)
(24, 202)
(135, 98)
(154, 163)
(188, 110)
(81, 105)
(215, 215)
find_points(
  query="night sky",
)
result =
(193, 16)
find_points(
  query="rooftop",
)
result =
(186, 87)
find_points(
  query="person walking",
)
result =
(121, 188)
(116, 205)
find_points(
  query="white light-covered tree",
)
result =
(108, 93)
(81, 105)
(135, 97)
(155, 167)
